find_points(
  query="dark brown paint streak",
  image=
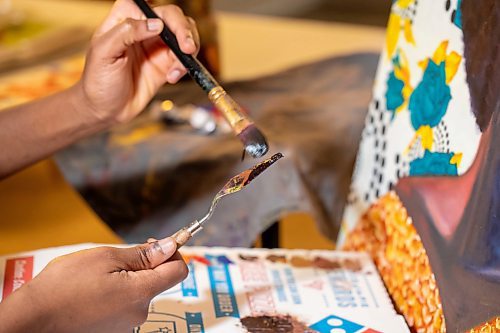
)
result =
(274, 324)
(261, 167)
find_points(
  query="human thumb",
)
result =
(114, 43)
(147, 256)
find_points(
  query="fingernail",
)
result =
(167, 245)
(154, 24)
(190, 41)
(174, 75)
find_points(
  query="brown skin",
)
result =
(126, 64)
(103, 289)
(98, 290)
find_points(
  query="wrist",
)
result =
(86, 111)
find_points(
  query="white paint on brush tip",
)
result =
(256, 149)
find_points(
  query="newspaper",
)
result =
(327, 291)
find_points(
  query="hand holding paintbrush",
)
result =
(253, 140)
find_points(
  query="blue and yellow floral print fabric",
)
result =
(420, 121)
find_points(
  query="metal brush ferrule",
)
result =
(194, 227)
(229, 108)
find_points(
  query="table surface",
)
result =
(40, 209)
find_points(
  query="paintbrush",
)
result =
(235, 184)
(254, 142)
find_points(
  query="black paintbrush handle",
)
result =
(195, 69)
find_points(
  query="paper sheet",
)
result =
(328, 291)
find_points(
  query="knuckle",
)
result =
(144, 256)
(174, 9)
(191, 21)
(128, 25)
(106, 252)
(129, 28)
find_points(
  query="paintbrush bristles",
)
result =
(253, 140)
(255, 143)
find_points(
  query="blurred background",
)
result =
(42, 43)
(354, 11)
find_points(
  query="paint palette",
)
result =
(255, 290)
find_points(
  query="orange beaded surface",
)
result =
(387, 233)
(493, 326)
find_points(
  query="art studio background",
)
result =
(57, 215)
(386, 113)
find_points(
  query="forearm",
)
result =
(33, 131)
(22, 311)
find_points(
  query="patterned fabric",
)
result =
(420, 120)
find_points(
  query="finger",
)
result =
(120, 11)
(176, 70)
(180, 25)
(151, 240)
(114, 43)
(196, 34)
(168, 274)
(146, 256)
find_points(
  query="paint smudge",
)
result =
(224, 260)
(326, 263)
(320, 262)
(276, 258)
(248, 257)
(201, 260)
(352, 265)
(299, 261)
(262, 166)
(275, 324)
